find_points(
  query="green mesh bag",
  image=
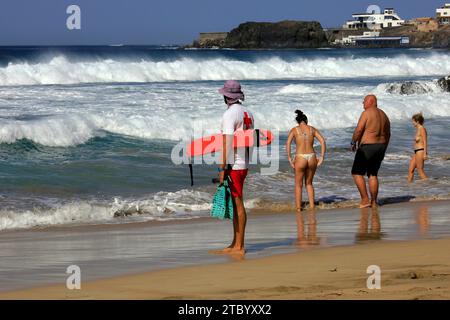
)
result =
(222, 205)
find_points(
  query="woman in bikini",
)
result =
(420, 148)
(305, 161)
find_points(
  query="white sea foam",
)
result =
(60, 70)
(52, 131)
(161, 206)
(76, 212)
(337, 107)
(298, 89)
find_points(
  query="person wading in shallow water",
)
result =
(370, 141)
(235, 162)
(420, 148)
(305, 161)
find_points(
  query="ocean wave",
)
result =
(339, 110)
(161, 206)
(164, 206)
(61, 70)
(77, 129)
(51, 131)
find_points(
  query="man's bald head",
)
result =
(370, 101)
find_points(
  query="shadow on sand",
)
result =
(393, 200)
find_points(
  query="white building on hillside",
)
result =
(443, 14)
(374, 21)
(351, 39)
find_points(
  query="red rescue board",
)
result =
(242, 139)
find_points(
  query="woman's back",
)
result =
(304, 138)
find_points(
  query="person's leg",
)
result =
(361, 185)
(420, 162)
(235, 227)
(359, 169)
(412, 168)
(300, 165)
(309, 176)
(239, 223)
(373, 187)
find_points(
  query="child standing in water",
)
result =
(305, 161)
(420, 148)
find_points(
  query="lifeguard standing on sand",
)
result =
(235, 162)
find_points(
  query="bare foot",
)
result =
(221, 251)
(364, 205)
(374, 204)
(237, 251)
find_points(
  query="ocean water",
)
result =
(86, 132)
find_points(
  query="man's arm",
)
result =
(425, 141)
(227, 144)
(388, 130)
(359, 131)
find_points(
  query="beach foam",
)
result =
(162, 206)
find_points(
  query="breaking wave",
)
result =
(61, 70)
(162, 206)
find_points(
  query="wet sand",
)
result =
(323, 255)
(409, 270)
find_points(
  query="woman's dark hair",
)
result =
(301, 117)
(419, 118)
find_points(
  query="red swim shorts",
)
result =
(236, 184)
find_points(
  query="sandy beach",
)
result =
(418, 268)
(410, 270)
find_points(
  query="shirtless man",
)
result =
(370, 141)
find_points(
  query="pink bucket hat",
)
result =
(232, 89)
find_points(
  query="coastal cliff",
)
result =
(280, 35)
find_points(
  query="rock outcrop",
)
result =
(280, 35)
(444, 83)
(414, 87)
(409, 87)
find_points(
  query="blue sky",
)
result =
(43, 22)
